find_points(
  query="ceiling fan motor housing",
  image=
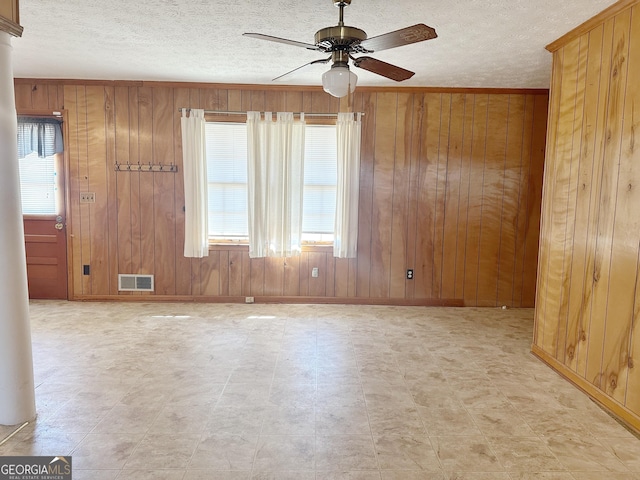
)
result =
(341, 37)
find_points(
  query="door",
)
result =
(46, 246)
(42, 186)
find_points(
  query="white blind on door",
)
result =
(38, 185)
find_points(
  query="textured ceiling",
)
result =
(481, 43)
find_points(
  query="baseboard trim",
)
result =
(622, 413)
(409, 302)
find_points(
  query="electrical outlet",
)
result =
(314, 272)
(86, 270)
(249, 299)
(410, 274)
(87, 197)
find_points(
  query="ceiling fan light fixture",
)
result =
(338, 81)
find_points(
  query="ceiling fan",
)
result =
(343, 42)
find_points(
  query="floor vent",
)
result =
(135, 283)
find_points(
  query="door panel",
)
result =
(46, 249)
(46, 241)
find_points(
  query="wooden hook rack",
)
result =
(139, 167)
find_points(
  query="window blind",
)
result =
(227, 180)
(320, 176)
(227, 172)
(38, 184)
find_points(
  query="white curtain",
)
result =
(275, 181)
(196, 229)
(349, 132)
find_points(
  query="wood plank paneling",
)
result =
(341, 277)
(365, 200)
(572, 150)
(73, 208)
(165, 251)
(577, 302)
(414, 190)
(112, 190)
(317, 285)
(493, 191)
(292, 277)
(123, 181)
(630, 142)
(466, 167)
(210, 274)
(23, 96)
(534, 200)
(606, 208)
(82, 177)
(274, 271)
(257, 276)
(510, 203)
(476, 194)
(40, 97)
(587, 308)
(382, 215)
(441, 157)
(146, 198)
(97, 183)
(399, 211)
(452, 186)
(428, 176)
(521, 215)
(625, 233)
(134, 182)
(183, 264)
(422, 196)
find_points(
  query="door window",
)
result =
(39, 157)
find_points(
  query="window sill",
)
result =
(309, 247)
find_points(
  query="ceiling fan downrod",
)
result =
(341, 4)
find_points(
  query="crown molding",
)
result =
(593, 22)
(10, 27)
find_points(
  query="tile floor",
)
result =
(206, 391)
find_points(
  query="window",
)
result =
(227, 178)
(320, 177)
(39, 148)
(38, 185)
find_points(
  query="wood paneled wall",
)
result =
(450, 187)
(588, 301)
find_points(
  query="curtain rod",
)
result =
(222, 112)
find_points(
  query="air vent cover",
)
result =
(135, 283)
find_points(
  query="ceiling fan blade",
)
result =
(383, 68)
(260, 36)
(322, 60)
(398, 38)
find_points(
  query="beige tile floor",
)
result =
(206, 391)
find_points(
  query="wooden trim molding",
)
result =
(593, 22)
(625, 415)
(404, 302)
(282, 88)
(10, 27)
